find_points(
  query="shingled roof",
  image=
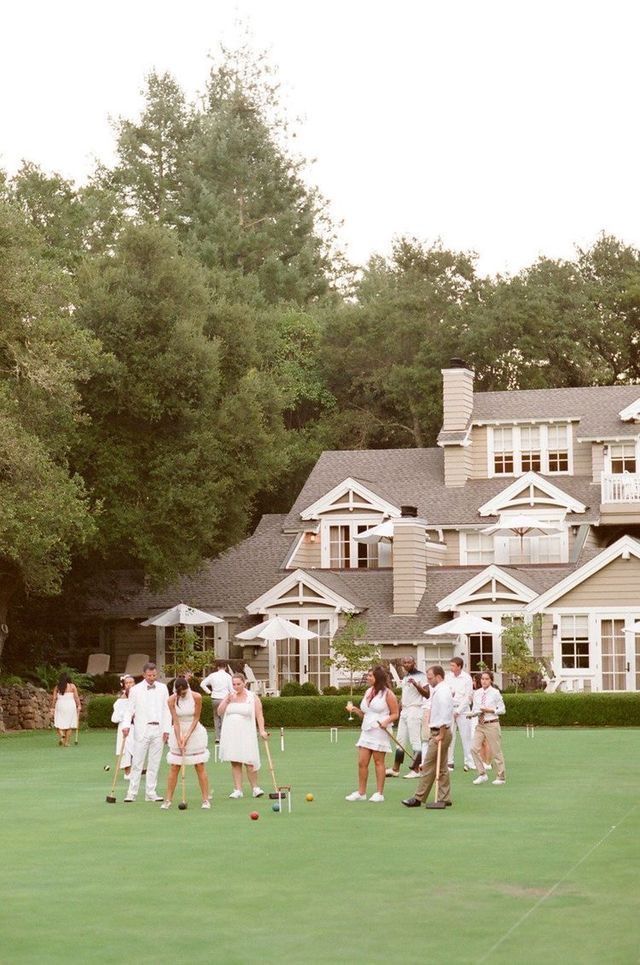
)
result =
(416, 477)
(596, 407)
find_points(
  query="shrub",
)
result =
(46, 675)
(106, 683)
(309, 689)
(291, 689)
(330, 692)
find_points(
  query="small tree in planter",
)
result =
(186, 658)
(518, 660)
(351, 652)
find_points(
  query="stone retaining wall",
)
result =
(26, 707)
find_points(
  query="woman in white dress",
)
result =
(117, 717)
(65, 708)
(378, 709)
(240, 712)
(187, 741)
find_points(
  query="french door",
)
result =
(620, 654)
(303, 660)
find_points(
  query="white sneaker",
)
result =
(356, 796)
(410, 775)
(498, 780)
(165, 805)
(376, 798)
(236, 794)
(481, 779)
(487, 767)
(206, 805)
(153, 797)
(257, 792)
(391, 773)
(129, 799)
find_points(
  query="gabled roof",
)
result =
(490, 584)
(415, 477)
(350, 494)
(626, 545)
(531, 490)
(632, 412)
(597, 407)
(304, 589)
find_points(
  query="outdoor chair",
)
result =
(98, 663)
(135, 663)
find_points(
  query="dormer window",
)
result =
(341, 550)
(622, 457)
(514, 450)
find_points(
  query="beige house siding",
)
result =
(127, 637)
(457, 465)
(582, 459)
(259, 664)
(457, 398)
(543, 637)
(307, 556)
(617, 584)
(478, 450)
(452, 540)
(409, 565)
(597, 461)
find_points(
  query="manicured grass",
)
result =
(544, 869)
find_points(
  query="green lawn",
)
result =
(545, 869)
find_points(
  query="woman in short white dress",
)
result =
(187, 740)
(65, 708)
(378, 709)
(240, 712)
(117, 717)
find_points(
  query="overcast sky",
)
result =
(509, 127)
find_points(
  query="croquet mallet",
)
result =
(409, 754)
(280, 790)
(183, 803)
(111, 798)
(437, 805)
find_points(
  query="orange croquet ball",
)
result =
(254, 815)
(309, 797)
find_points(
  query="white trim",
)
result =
(352, 522)
(491, 574)
(530, 481)
(543, 426)
(275, 597)
(292, 553)
(631, 413)
(330, 501)
(626, 544)
(543, 420)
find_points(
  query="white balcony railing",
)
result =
(620, 487)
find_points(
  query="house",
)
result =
(567, 459)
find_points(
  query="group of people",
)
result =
(433, 708)
(149, 718)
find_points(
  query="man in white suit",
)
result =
(148, 708)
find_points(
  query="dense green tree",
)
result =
(45, 513)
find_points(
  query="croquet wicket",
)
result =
(333, 735)
(531, 730)
(282, 739)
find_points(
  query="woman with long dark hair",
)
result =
(65, 708)
(187, 741)
(378, 709)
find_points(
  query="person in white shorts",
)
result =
(415, 692)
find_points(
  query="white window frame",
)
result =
(353, 522)
(544, 470)
(635, 443)
(303, 619)
(465, 551)
(502, 543)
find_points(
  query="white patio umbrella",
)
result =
(463, 626)
(521, 524)
(182, 614)
(383, 532)
(634, 629)
(277, 628)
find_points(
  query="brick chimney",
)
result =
(457, 409)
(409, 561)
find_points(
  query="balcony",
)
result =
(620, 497)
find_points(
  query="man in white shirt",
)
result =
(414, 692)
(461, 685)
(487, 705)
(148, 709)
(440, 721)
(218, 685)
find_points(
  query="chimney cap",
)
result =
(457, 363)
(409, 511)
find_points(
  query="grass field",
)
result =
(545, 869)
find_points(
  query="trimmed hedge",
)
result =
(546, 710)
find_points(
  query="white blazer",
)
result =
(137, 709)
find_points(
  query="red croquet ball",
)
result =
(254, 815)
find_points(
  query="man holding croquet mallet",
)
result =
(148, 708)
(414, 692)
(487, 706)
(434, 764)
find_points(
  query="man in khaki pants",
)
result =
(487, 706)
(440, 720)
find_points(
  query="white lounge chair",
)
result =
(135, 663)
(98, 663)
